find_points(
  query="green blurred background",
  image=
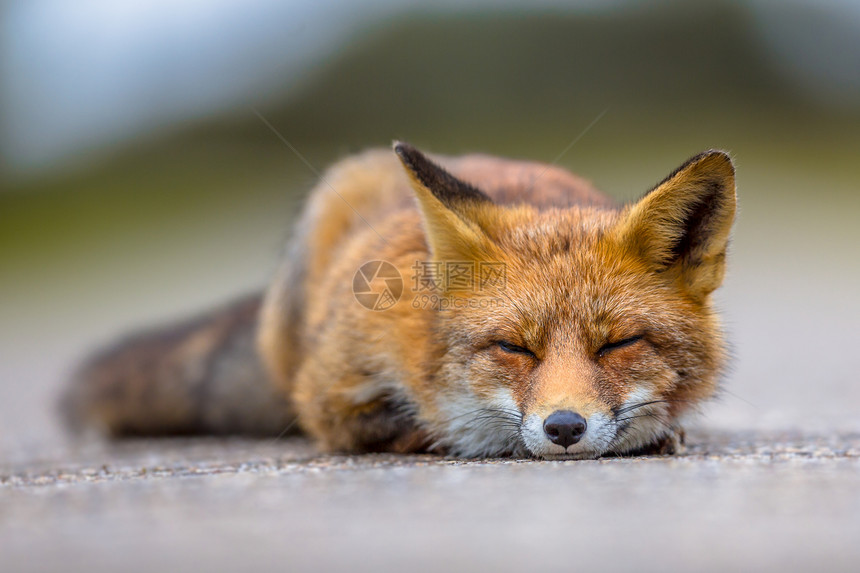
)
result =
(139, 183)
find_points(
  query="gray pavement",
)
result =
(732, 501)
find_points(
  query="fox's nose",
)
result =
(564, 427)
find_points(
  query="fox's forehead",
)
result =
(566, 278)
(562, 248)
(570, 305)
(542, 235)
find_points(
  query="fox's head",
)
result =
(601, 333)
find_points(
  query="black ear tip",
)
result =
(713, 163)
(715, 158)
(410, 156)
(402, 149)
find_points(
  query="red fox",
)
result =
(472, 306)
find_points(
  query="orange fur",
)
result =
(604, 312)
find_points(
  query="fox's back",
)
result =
(360, 192)
(509, 181)
(373, 184)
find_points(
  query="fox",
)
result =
(552, 322)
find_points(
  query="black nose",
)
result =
(564, 427)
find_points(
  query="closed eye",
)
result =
(514, 349)
(609, 346)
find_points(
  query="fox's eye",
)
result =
(609, 346)
(514, 349)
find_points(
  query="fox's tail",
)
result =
(200, 376)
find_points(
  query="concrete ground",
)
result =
(754, 502)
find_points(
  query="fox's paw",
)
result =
(670, 444)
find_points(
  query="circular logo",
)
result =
(377, 285)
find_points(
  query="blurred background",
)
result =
(141, 182)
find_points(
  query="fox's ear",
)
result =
(683, 224)
(452, 209)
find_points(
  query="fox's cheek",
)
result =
(630, 365)
(514, 362)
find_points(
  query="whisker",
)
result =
(489, 411)
(646, 415)
(495, 419)
(496, 422)
(638, 405)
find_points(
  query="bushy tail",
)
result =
(202, 376)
